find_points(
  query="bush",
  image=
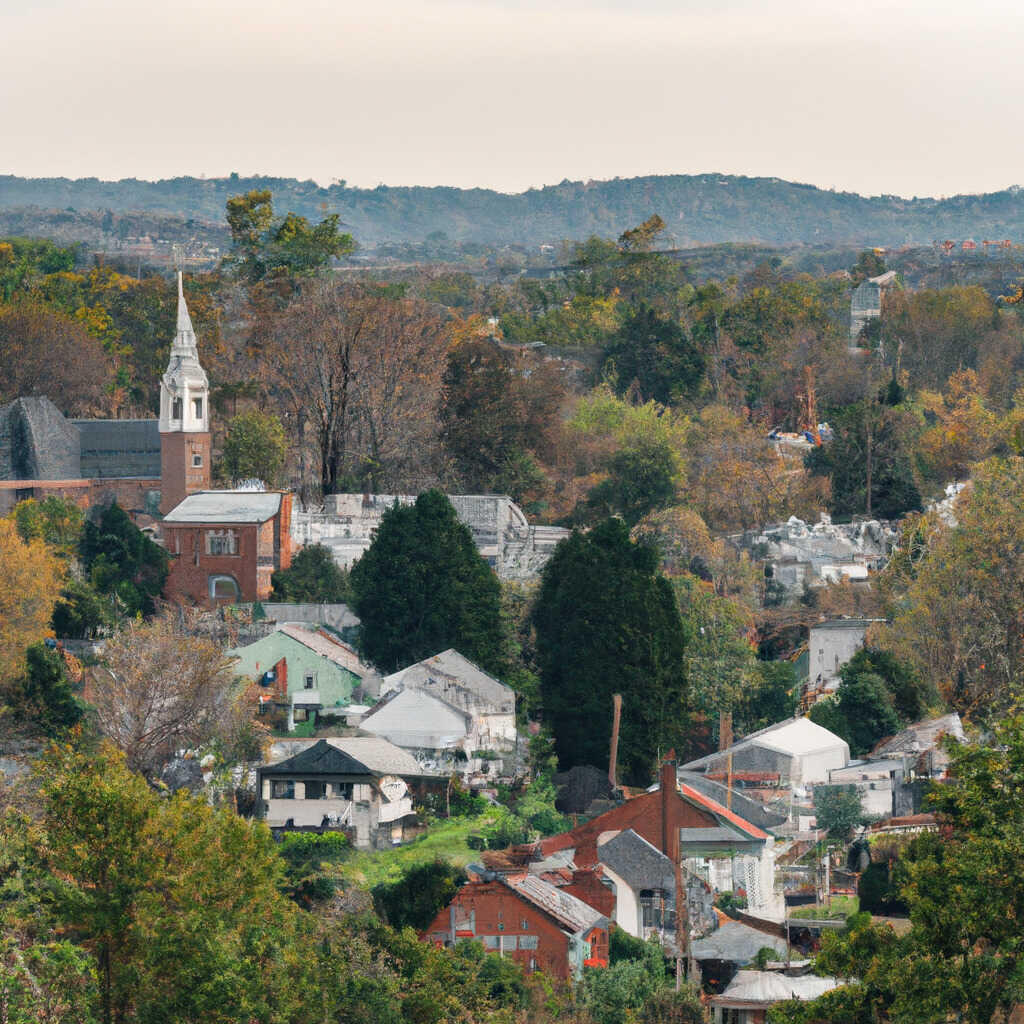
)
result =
(306, 855)
(414, 899)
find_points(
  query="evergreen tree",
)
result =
(422, 587)
(314, 576)
(608, 623)
(121, 560)
(45, 695)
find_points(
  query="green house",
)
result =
(303, 668)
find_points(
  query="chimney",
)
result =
(613, 759)
(668, 790)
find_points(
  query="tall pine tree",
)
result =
(423, 587)
(608, 623)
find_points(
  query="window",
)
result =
(197, 460)
(533, 963)
(490, 941)
(316, 790)
(342, 790)
(175, 408)
(528, 941)
(524, 924)
(501, 926)
(197, 404)
(281, 789)
(223, 588)
(308, 681)
(221, 542)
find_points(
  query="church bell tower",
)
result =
(184, 417)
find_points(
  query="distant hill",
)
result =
(698, 209)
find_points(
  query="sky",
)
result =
(910, 99)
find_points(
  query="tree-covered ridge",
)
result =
(698, 209)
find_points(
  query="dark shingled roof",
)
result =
(119, 448)
(320, 759)
(637, 862)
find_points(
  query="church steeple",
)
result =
(184, 415)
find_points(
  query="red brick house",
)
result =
(540, 926)
(224, 545)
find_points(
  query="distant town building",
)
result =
(866, 303)
(830, 646)
(503, 535)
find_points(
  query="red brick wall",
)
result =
(586, 885)
(179, 477)
(129, 492)
(189, 579)
(496, 904)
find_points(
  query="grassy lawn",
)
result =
(842, 907)
(446, 839)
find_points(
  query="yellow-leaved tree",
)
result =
(30, 581)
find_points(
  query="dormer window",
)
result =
(197, 404)
(175, 408)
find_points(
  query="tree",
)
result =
(861, 712)
(120, 560)
(313, 577)
(910, 694)
(29, 584)
(655, 352)
(161, 690)
(264, 245)
(642, 478)
(422, 587)
(364, 369)
(81, 613)
(44, 695)
(255, 448)
(606, 622)
(413, 900)
(869, 264)
(54, 520)
(838, 811)
(868, 461)
(46, 353)
(953, 593)
(772, 697)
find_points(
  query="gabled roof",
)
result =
(320, 759)
(450, 665)
(571, 913)
(418, 719)
(334, 650)
(735, 942)
(226, 507)
(721, 812)
(374, 756)
(768, 987)
(637, 862)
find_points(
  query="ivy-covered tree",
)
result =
(255, 448)
(423, 587)
(607, 623)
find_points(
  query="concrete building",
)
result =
(515, 549)
(225, 545)
(643, 881)
(356, 785)
(751, 994)
(880, 785)
(830, 645)
(146, 465)
(522, 917)
(304, 670)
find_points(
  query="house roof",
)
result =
(921, 736)
(796, 737)
(637, 862)
(417, 719)
(457, 667)
(320, 759)
(750, 810)
(571, 913)
(721, 812)
(333, 650)
(768, 987)
(736, 942)
(226, 507)
(373, 756)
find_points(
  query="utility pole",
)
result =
(614, 755)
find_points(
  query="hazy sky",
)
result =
(912, 98)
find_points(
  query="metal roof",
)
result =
(417, 719)
(750, 810)
(571, 913)
(333, 650)
(795, 736)
(457, 667)
(769, 987)
(921, 736)
(226, 507)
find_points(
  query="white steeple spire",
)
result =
(184, 404)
